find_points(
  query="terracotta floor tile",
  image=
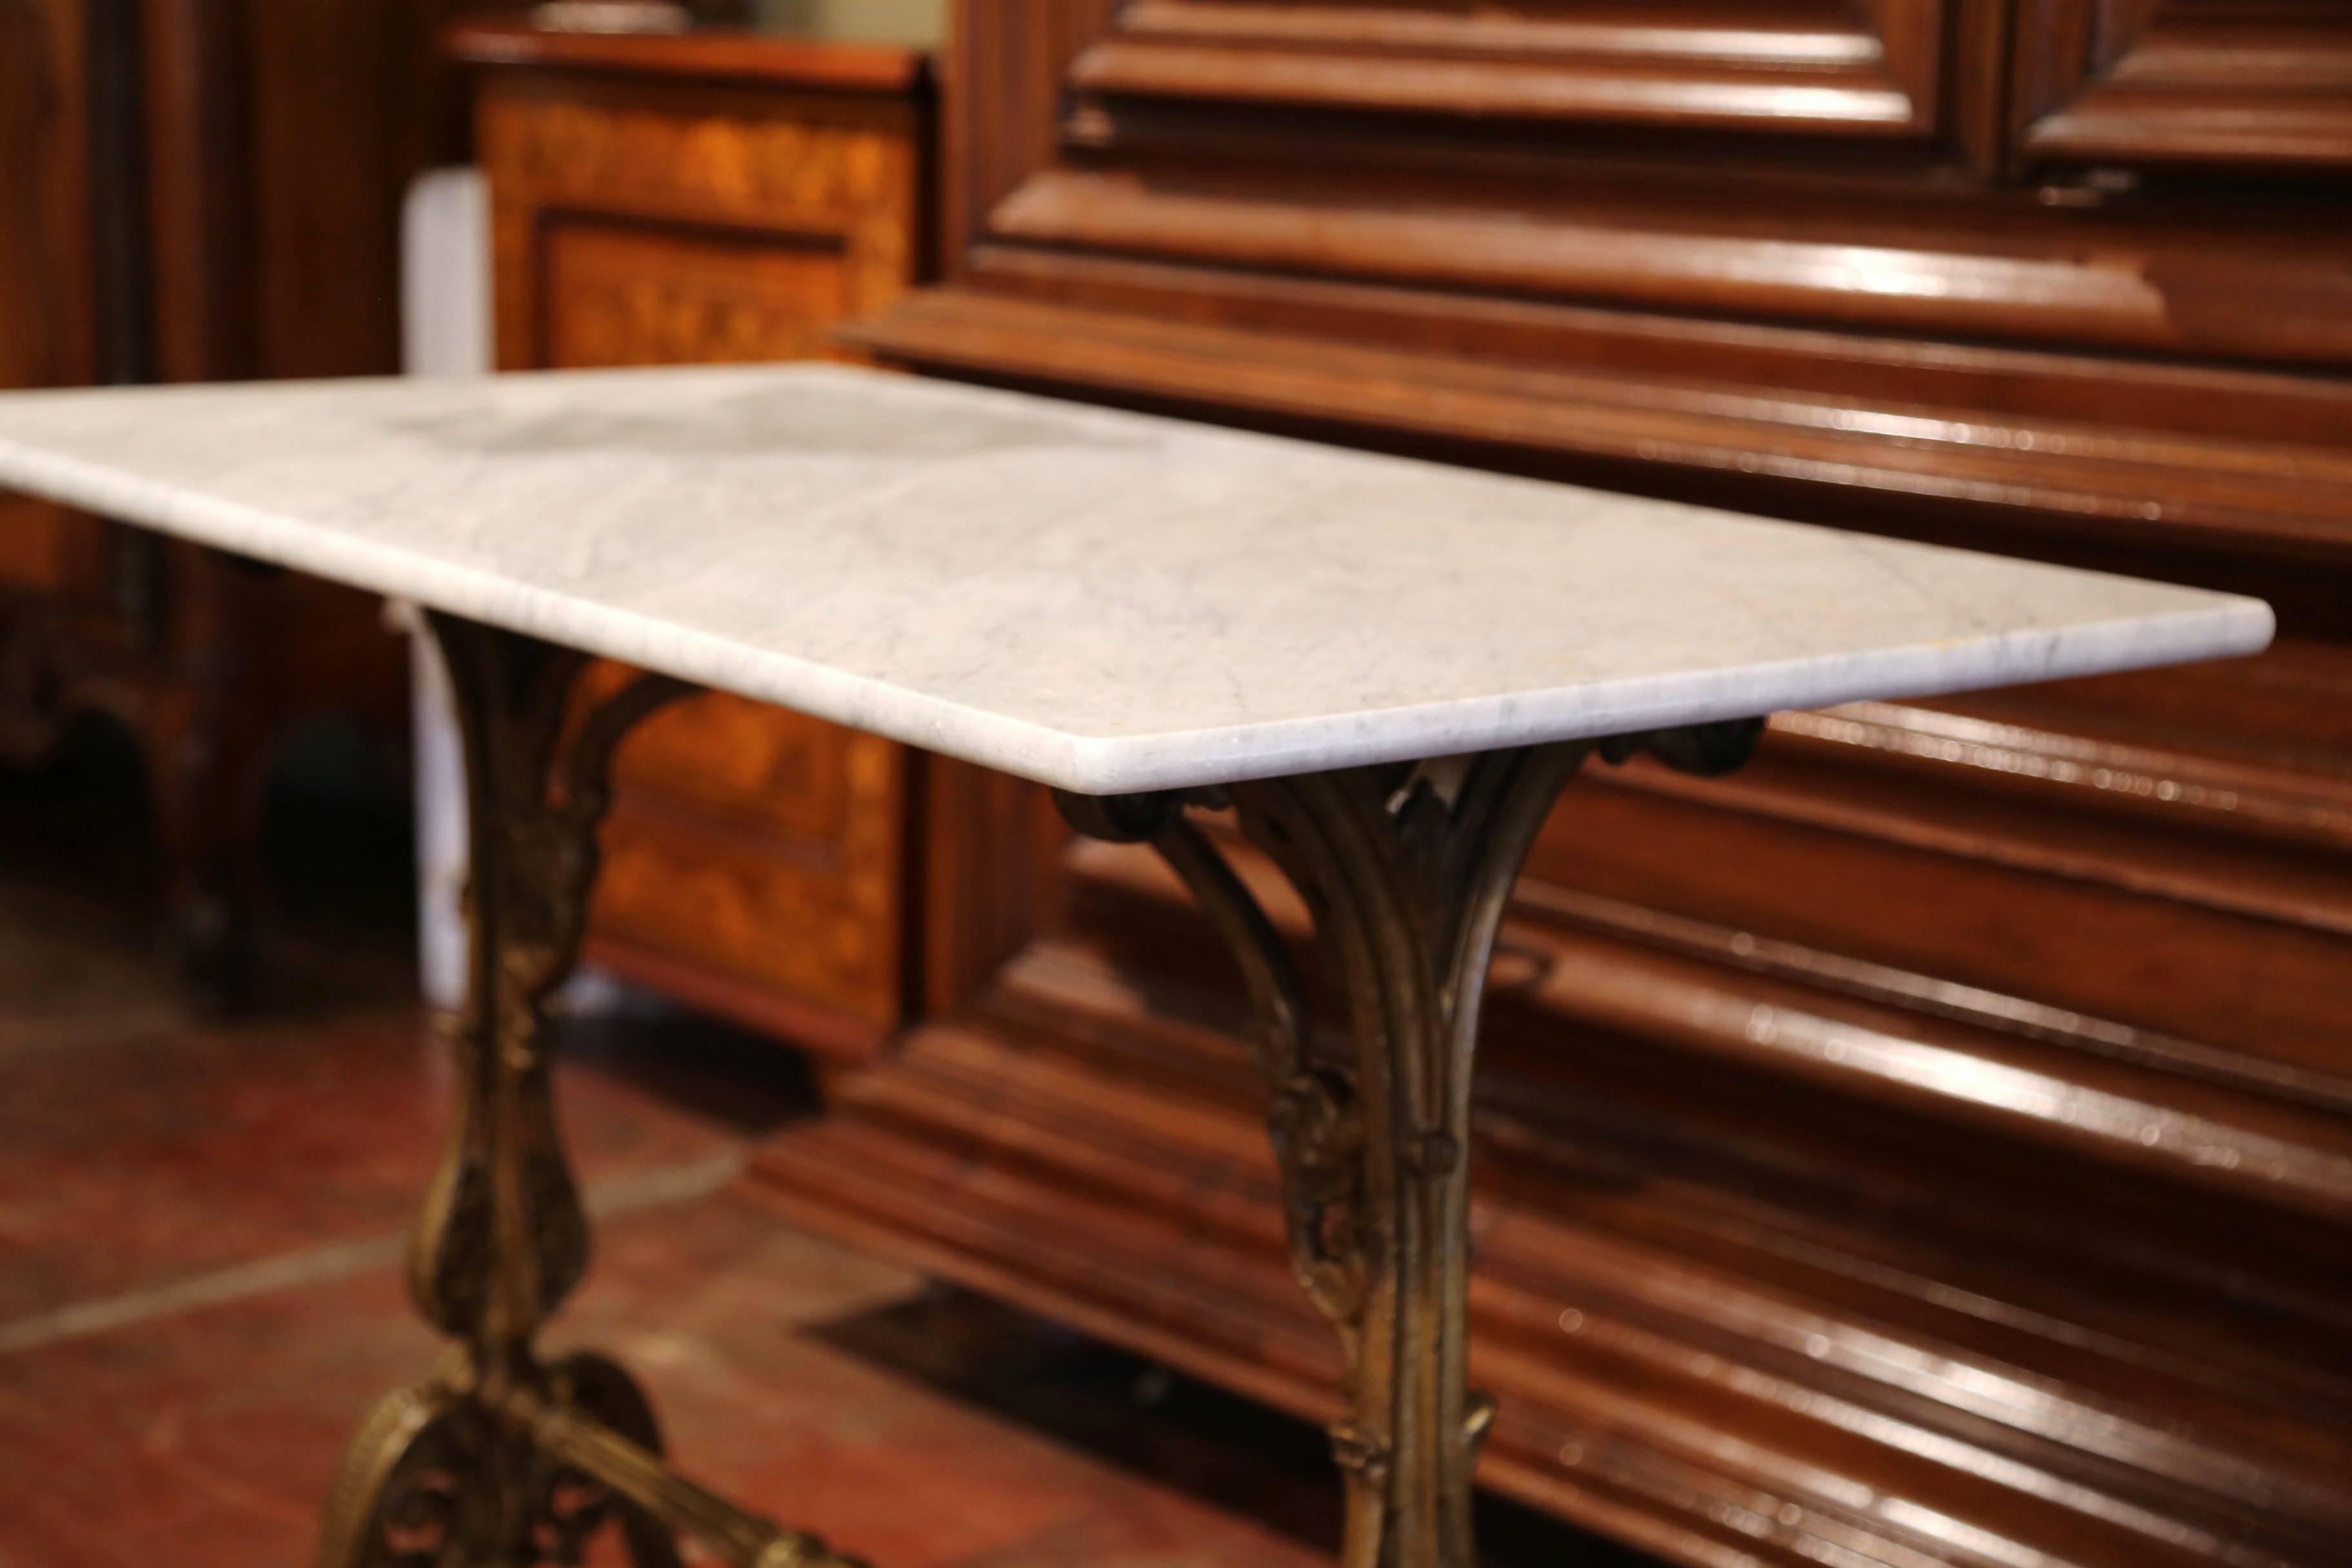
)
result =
(211, 1436)
(130, 1163)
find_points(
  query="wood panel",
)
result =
(2044, 447)
(2185, 82)
(637, 295)
(280, 136)
(718, 198)
(200, 241)
(49, 335)
(1929, 240)
(196, 189)
(765, 847)
(46, 335)
(796, 201)
(324, 96)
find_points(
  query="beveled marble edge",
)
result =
(1111, 765)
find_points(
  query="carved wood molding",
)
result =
(1790, 67)
(707, 58)
(825, 166)
(2256, 1111)
(2186, 82)
(1409, 144)
(2134, 485)
(2150, 282)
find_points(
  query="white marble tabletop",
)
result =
(1097, 600)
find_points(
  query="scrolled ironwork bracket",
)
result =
(506, 1460)
(1406, 869)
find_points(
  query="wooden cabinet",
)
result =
(701, 198)
(201, 191)
(1933, 1144)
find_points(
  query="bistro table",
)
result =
(1386, 669)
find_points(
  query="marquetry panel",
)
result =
(642, 295)
(754, 863)
(2186, 82)
(814, 916)
(797, 776)
(791, 161)
(827, 188)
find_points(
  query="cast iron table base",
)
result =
(505, 1460)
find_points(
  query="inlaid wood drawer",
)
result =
(621, 296)
(801, 931)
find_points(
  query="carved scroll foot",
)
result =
(506, 1460)
(437, 1478)
(1406, 870)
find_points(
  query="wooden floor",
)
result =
(200, 1224)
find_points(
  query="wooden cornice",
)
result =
(2148, 484)
(751, 58)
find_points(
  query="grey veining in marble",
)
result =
(1100, 601)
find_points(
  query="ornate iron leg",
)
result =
(504, 1461)
(1406, 870)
